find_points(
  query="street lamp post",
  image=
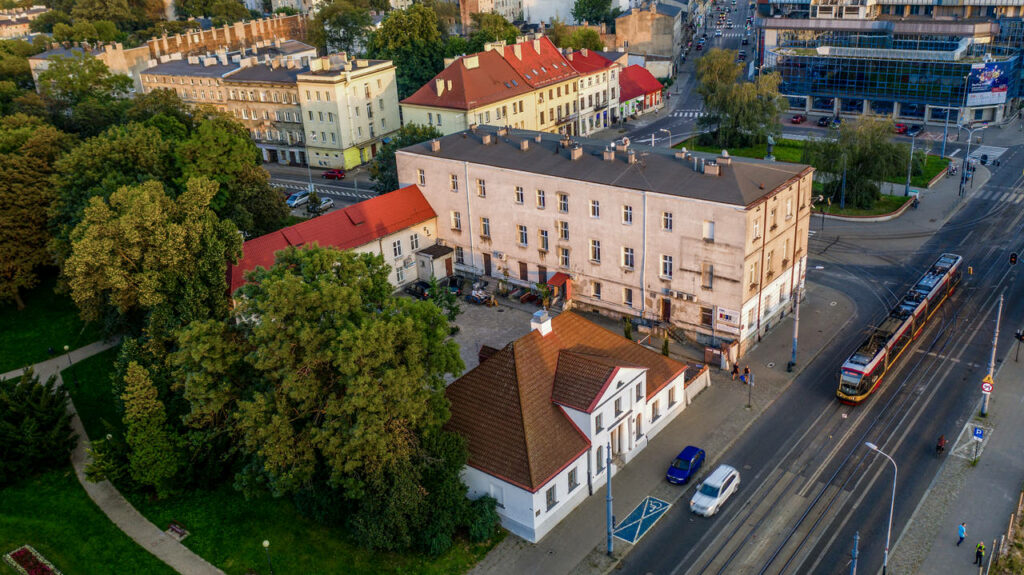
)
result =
(945, 128)
(970, 140)
(266, 549)
(669, 132)
(71, 369)
(910, 164)
(892, 503)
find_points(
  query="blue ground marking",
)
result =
(642, 518)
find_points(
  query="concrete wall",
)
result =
(647, 32)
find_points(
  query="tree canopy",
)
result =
(412, 40)
(488, 27)
(342, 25)
(742, 113)
(593, 11)
(384, 168)
(81, 94)
(35, 427)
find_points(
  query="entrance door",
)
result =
(615, 441)
(273, 156)
(448, 266)
(523, 273)
(487, 264)
(666, 310)
(542, 273)
(373, 149)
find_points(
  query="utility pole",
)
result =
(842, 197)
(796, 327)
(608, 500)
(992, 360)
(910, 164)
(853, 562)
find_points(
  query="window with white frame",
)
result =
(599, 422)
(595, 290)
(396, 248)
(785, 252)
(524, 237)
(627, 297)
(543, 236)
(789, 208)
(455, 182)
(563, 203)
(627, 258)
(595, 251)
(754, 277)
(618, 406)
(456, 221)
(550, 497)
(671, 396)
(563, 257)
(627, 215)
(666, 266)
(666, 221)
(639, 393)
(481, 188)
(655, 409)
(563, 230)
(595, 209)
(399, 274)
(485, 227)
(519, 194)
(599, 456)
(541, 201)
(460, 256)
(757, 229)
(414, 242)
(709, 231)
(574, 480)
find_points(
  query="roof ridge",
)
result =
(522, 414)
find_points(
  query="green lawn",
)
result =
(48, 320)
(886, 205)
(228, 531)
(932, 166)
(88, 384)
(785, 150)
(53, 514)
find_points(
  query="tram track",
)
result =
(919, 382)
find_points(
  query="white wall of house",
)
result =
(399, 250)
(515, 504)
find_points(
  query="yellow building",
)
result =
(349, 107)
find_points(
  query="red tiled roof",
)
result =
(588, 61)
(636, 81)
(492, 80)
(504, 406)
(539, 62)
(354, 226)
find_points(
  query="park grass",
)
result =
(88, 383)
(885, 205)
(49, 320)
(933, 166)
(53, 514)
(228, 531)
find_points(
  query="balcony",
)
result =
(562, 120)
(599, 107)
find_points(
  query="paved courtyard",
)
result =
(494, 326)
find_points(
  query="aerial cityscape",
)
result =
(488, 287)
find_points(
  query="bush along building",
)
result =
(922, 62)
(696, 246)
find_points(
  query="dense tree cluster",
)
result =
(35, 427)
(740, 113)
(575, 38)
(384, 167)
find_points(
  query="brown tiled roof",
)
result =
(581, 378)
(539, 61)
(491, 80)
(504, 406)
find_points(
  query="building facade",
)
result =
(598, 90)
(641, 92)
(511, 10)
(713, 247)
(920, 62)
(544, 68)
(651, 28)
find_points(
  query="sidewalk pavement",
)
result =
(983, 495)
(104, 494)
(715, 419)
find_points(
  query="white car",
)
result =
(718, 32)
(712, 493)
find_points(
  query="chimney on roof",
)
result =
(576, 152)
(724, 160)
(524, 145)
(449, 85)
(487, 139)
(448, 62)
(565, 141)
(585, 52)
(537, 138)
(362, 63)
(503, 131)
(439, 86)
(471, 62)
(435, 145)
(472, 128)
(540, 322)
(536, 45)
(712, 169)
(517, 49)
(609, 154)
(631, 156)
(622, 145)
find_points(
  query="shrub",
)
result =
(35, 427)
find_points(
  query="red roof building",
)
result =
(640, 90)
(539, 61)
(537, 414)
(598, 90)
(588, 61)
(471, 82)
(372, 225)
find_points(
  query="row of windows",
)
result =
(284, 97)
(396, 246)
(769, 259)
(590, 79)
(276, 135)
(551, 495)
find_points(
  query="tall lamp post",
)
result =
(970, 139)
(959, 120)
(669, 132)
(892, 502)
(266, 549)
(910, 164)
(71, 368)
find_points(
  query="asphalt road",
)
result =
(808, 484)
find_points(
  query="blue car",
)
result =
(297, 199)
(685, 465)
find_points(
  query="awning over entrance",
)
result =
(558, 280)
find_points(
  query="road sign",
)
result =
(986, 388)
(988, 379)
(979, 433)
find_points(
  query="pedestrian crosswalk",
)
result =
(999, 194)
(688, 113)
(992, 152)
(328, 192)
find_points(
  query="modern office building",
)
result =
(916, 60)
(714, 247)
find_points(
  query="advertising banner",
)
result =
(988, 84)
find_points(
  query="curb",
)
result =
(868, 219)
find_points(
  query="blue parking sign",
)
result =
(979, 433)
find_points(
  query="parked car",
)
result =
(914, 131)
(297, 199)
(718, 32)
(798, 119)
(333, 175)
(901, 128)
(418, 289)
(824, 121)
(454, 283)
(685, 465)
(713, 492)
(325, 204)
(700, 46)
(745, 41)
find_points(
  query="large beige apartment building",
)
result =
(715, 247)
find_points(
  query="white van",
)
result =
(712, 492)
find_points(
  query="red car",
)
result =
(334, 175)
(798, 119)
(901, 128)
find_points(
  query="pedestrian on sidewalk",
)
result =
(962, 531)
(746, 374)
(979, 554)
(735, 370)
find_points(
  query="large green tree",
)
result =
(141, 255)
(411, 39)
(28, 150)
(155, 455)
(741, 113)
(331, 386)
(384, 168)
(35, 427)
(342, 25)
(82, 95)
(592, 11)
(864, 152)
(488, 27)
(585, 38)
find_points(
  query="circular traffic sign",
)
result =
(986, 387)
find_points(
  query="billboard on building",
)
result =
(988, 84)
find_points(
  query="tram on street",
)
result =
(863, 372)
